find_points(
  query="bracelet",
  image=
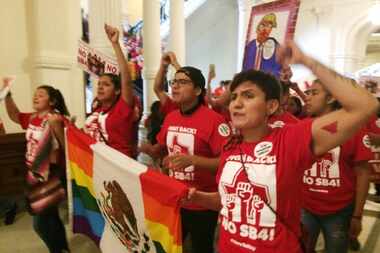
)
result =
(9, 95)
(356, 217)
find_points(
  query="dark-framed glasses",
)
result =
(180, 82)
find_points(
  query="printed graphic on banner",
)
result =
(325, 172)
(118, 211)
(270, 25)
(94, 62)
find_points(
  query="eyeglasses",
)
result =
(180, 82)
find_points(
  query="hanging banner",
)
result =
(270, 25)
(94, 62)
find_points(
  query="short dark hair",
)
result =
(265, 81)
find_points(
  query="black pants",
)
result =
(49, 227)
(377, 187)
(201, 227)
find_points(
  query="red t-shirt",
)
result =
(116, 126)
(373, 125)
(34, 127)
(168, 106)
(330, 184)
(271, 176)
(202, 133)
(282, 120)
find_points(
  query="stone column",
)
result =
(177, 42)
(242, 27)
(152, 55)
(103, 12)
(55, 30)
(152, 49)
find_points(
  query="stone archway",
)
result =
(351, 44)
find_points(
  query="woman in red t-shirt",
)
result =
(335, 187)
(114, 119)
(50, 107)
(260, 171)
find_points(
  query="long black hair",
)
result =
(56, 98)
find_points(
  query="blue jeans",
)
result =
(335, 228)
(49, 227)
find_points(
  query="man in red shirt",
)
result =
(193, 136)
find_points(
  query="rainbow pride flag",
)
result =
(122, 205)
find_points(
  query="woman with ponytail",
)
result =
(50, 109)
(113, 119)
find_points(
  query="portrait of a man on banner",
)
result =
(269, 26)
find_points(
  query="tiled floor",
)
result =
(20, 237)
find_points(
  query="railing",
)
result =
(12, 163)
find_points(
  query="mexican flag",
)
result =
(122, 205)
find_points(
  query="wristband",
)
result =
(9, 94)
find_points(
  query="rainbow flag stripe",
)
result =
(87, 218)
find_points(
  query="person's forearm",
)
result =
(126, 89)
(209, 200)
(159, 80)
(210, 164)
(350, 95)
(12, 109)
(155, 151)
(176, 65)
(59, 134)
(362, 185)
(300, 93)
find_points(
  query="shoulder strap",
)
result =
(281, 220)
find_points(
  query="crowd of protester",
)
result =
(272, 168)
